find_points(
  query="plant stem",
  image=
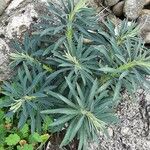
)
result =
(125, 67)
(69, 33)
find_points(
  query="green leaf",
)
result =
(25, 147)
(117, 91)
(34, 82)
(12, 139)
(62, 120)
(66, 111)
(108, 69)
(1, 116)
(47, 121)
(77, 127)
(3, 133)
(61, 97)
(124, 74)
(35, 138)
(104, 86)
(2, 148)
(45, 137)
(25, 131)
(68, 133)
(92, 92)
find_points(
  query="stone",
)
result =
(97, 2)
(93, 146)
(147, 38)
(110, 132)
(8, 1)
(18, 18)
(13, 5)
(125, 131)
(118, 9)
(20, 23)
(133, 8)
(4, 69)
(144, 23)
(147, 2)
(2, 6)
(145, 11)
(111, 2)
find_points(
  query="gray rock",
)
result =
(133, 8)
(110, 131)
(144, 22)
(93, 146)
(19, 23)
(97, 2)
(4, 60)
(111, 2)
(147, 38)
(17, 19)
(2, 6)
(118, 9)
(125, 131)
(147, 2)
(13, 5)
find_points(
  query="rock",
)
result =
(111, 2)
(147, 38)
(13, 5)
(144, 23)
(133, 8)
(118, 9)
(93, 146)
(8, 1)
(18, 17)
(110, 132)
(21, 22)
(2, 6)
(125, 131)
(4, 69)
(97, 2)
(145, 12)
(147, 2)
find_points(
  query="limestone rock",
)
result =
(147, 38)
(118, 9)
(110, 132)
(93, 146)
(13, 5)
(133, 8)
(18, 17)
(125, 131)
(147, 2)
(2, 6)
(4, 51)
(20, 23)
(111, 2)
(144, 22)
